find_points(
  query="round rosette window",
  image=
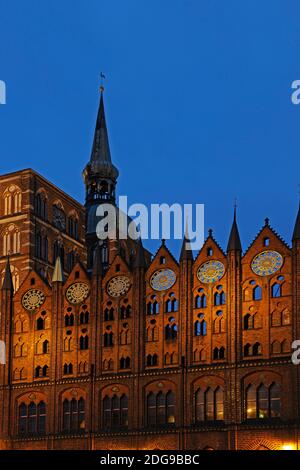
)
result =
(162, 279)
(267, 263)
(210, 272)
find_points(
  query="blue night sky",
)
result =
(197, 101)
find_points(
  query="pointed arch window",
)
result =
(161, 408)
(115, 411)
(153, 306)
(73, 415)
(83, 342)
(209, 404)
(263, 402)
(276, 290)
(257, 293)
(32, 418)
(108, 338)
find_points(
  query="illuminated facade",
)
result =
(108, 348)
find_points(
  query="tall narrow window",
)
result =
(263, 401)
(251, 410)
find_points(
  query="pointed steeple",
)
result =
(100, 162)
(58, 275)
(7, 281)
(186, 252)
(296, 233)
(139, 261)
(234, 242)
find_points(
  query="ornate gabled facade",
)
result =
(108, 348)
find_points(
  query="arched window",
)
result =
(220, 298)
(125, 312)
(108, 338)
(276, 290)
(84, 317)
(209, 404)
(160, 408)
(200, 327)
(251, 402)
(125, 363)
(12, 200)
(32, 418)
(257, 293)
(73, 415)
(257, 350)
(170, 405)
(69, 319)
(275, 400)
(46, 347)
(83, 342)
(73, 227)
(153, 306)
(11, 240)
(115, 411)
(109, 314)
(68, 369)
(247, 350)
(41, 372)
(171, 304)
(41, 205)
(219, 353)
(263, 402)
(152, 360)
(171, 331)
(40, 323)
(152, 333)
(200, 299)
(248, 321)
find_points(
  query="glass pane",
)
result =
(199, 398)
(209, 402)
(219, 404)
(151, 409)
(251, 402)
(170, 407)
(161, 408)
(263, 402)
(275, 400)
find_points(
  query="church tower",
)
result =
(100, 178)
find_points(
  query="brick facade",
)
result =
(197, 365)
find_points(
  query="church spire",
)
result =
(296, 233)
(58, 275)
(186, 252)
(100, 174)
(234, 242)
(7, 281)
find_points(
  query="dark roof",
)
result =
(234, 242)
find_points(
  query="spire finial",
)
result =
(102, 78)
(210, 232)
(235, 206)
(267, 221)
